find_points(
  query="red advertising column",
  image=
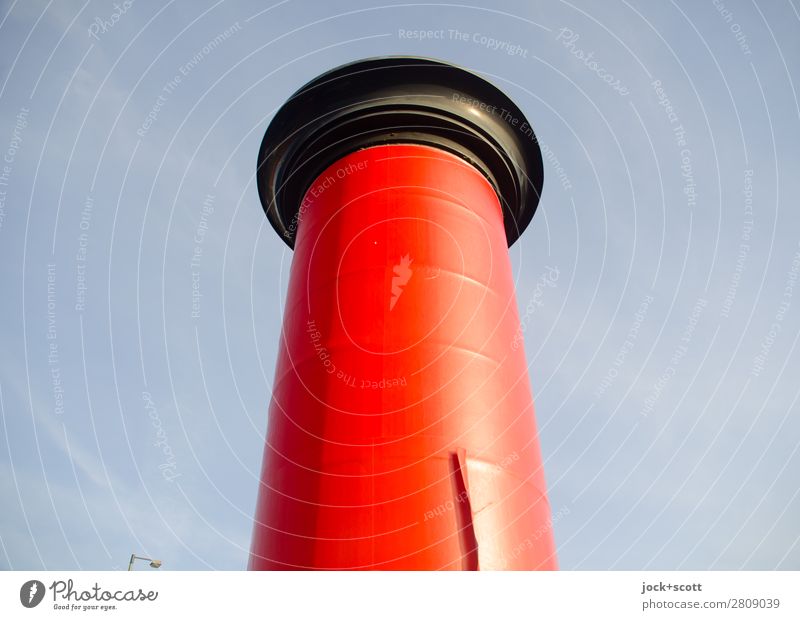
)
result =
(401, 433)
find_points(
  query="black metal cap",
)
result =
(394, 100)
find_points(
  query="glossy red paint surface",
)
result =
(401, 431)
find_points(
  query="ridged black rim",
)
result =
(398, 100)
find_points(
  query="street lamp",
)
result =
(153, 563)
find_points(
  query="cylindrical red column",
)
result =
(401, 433)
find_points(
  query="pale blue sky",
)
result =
(672, 448)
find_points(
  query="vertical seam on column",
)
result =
(466, 530)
